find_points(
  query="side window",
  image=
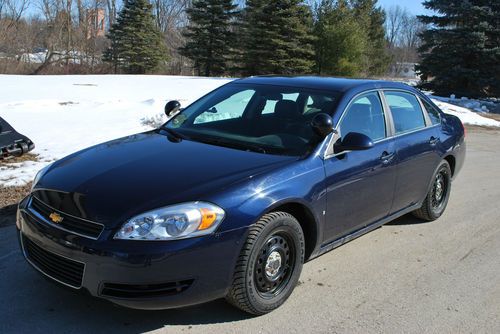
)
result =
(271, 104)
(365, 115)
(433, 113)
(230, 108)
(406, 111)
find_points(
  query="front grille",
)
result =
(61, 269)
(69, 223)
(144, 290)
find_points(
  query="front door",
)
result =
(360, 184)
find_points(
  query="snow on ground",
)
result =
(466, 115)
(63, 114)
(489, 105)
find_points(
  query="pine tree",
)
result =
(136, 43)
(372, 19)
(341, 40)
(210, 35)
(276, 38)
(460, 53)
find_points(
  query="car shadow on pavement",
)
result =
(33, 304)
(8, 215)
(407, 219)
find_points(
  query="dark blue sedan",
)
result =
(236, 191)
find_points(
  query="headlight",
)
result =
(180, 221)
(39, 175)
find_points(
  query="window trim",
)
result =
(329, 153)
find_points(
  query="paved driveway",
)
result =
(408, 276)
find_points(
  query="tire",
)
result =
(263, 280)
(436, 200)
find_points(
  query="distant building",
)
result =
(404, 70)
(96, 22)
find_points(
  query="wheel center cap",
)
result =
(273, 264)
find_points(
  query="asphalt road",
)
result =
(406, 277)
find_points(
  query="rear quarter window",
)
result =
(433, 113)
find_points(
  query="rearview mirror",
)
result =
(322, 124)
(354, 141)
(172, 107)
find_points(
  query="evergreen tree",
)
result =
(341, 41)
(209, 35)
(372, 19)
(276, 37)
(460, 53)
(136, 42)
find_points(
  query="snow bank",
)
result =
(466, 115)
(63, 114)
(489, 105)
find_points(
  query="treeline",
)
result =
(332, 37)
(203, 37)
(456, 49)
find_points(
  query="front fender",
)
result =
(301, 182)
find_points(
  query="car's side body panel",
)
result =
(416, 160)
(360, 189)
(301, 182)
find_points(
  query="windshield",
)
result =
(262, 118)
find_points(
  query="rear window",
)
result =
(406, 111)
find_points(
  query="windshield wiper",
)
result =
(177, 135)
(238, 145)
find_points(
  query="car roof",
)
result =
(323, 83)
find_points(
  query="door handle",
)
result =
(387, 157)
(433, 141)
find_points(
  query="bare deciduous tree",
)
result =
(402, 33)
(395, 17)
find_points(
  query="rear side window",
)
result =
(433, 113)
(365, 115)
(230, 108)
(406, 111)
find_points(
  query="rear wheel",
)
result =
(437, 197)
(269, 264)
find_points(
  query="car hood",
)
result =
(113, 181)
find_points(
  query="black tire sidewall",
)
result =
(437, 212)
(290, 226)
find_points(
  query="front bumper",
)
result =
(135, 274)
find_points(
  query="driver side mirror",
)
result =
(172, 107)
(354, 141)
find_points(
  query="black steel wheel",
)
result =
(437, 197)
(272, 269)
(269, 264)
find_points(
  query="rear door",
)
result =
(416, 139)
(360, 184)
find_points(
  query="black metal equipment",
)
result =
(12, 143)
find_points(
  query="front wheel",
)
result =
(269, 264)
(437, 198)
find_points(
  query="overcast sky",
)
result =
(414, 6)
